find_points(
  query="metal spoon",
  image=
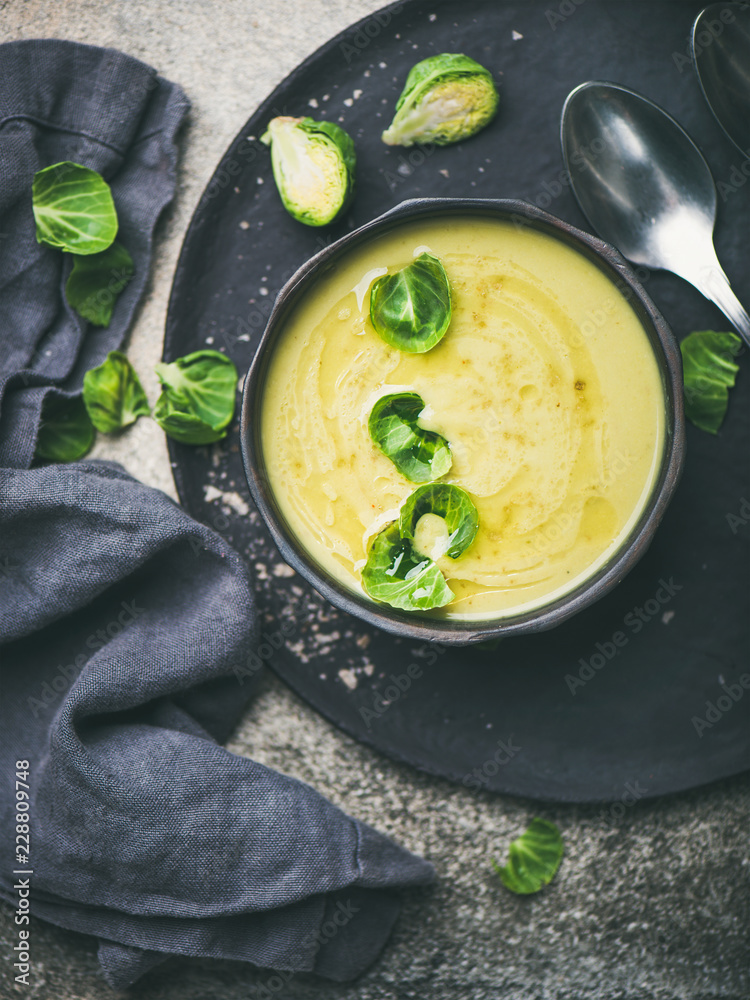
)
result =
(721, 50)
(644, 186)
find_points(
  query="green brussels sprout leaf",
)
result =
(397, 576)
(418, 454)
(451, 503)
(313, 167)
(65, 432)
(533, 858)
(197, 400)
(96, 280)
(396, 573)
(184, 427)
(73, 208)
(113, 394)
(447, 98)
(411, 309)
(708, 372)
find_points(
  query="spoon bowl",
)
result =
(721, 52)
(645, 187)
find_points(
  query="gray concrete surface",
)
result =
(654, 905)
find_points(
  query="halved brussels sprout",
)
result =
(313, 166)
(447, 98)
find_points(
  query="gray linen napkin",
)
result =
(126, 627)
(65, 101)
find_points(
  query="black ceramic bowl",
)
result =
(422, 626)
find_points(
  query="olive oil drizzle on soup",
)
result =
(545, 386)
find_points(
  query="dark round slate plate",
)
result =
(568, 715)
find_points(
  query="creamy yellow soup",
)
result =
(545, 386)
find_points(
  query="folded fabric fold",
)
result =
(146, 831)
(127, 629)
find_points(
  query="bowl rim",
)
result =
(456, 631)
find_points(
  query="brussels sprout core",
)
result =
(313, 166)
(446, 98)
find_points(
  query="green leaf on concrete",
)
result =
(533, 858)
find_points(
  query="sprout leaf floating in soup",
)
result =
(412, 309)
(447, 98)
(395, 574)
(418, 454)
(313, 167)
(442, 500)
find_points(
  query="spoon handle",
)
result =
(714, 284)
